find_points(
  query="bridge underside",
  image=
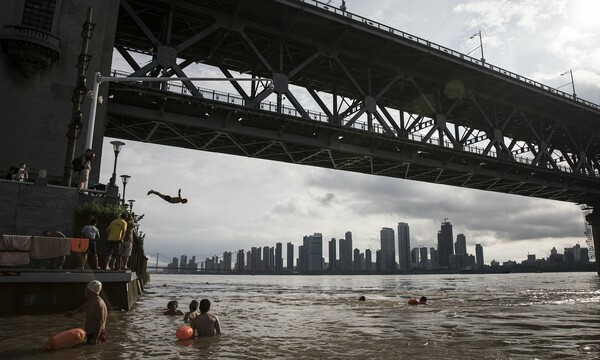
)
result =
(147, 115)
(390, 103)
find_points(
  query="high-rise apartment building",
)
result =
(368, 260)
(423, 258)
(357, 263)
(313, 249)
(278, 257)
(403, 247)
(460, 247)
(388, 248)
(346, 252)
(479, 254)
(414, 258)
(435, 257)
(445, 239)
(240, 261)
(290, 256)
(266, 263)
(226, 261)
(332, 257)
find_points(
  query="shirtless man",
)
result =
(206, 324)
(172, 308)
(170, 199)
(95, 313)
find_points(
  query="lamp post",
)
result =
(572, 83)
(130, 201)
(117, 145)
(125, 179)
(480, 45)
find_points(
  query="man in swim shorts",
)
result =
(95, 313)
(169, 199)
(206, 324)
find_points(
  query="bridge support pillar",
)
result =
(594, 220)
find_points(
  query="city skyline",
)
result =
(235, 201)
(317, 244)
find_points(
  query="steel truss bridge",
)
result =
(347, 93)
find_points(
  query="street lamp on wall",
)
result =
(130, 201)
(125, 179)
(117, 145)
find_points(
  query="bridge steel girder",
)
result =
(324, 52)
(144, 114)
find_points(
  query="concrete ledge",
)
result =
(43, 292)
(60, 276)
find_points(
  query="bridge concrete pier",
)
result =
(594, 220)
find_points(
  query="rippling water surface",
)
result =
(504, 316)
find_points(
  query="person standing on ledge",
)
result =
(170, 199)
(84, 174)
(206, 324)
(95, 313)
(116, 233)
(22, 172)
(92, 233)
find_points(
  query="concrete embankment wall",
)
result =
(29, 209)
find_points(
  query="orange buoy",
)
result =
(413, 301)
(184, 332)
(64, 340)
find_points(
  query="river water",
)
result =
(492, 316)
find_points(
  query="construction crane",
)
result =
(588, 231)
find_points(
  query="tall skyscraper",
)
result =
(266, 263)
(423, 257)
(345, 250)
(357, 264)
(388, 248)
(313, 248)
(226, 261)
(368, 260)
(445, 248)
(332, 258)
(414, 257)
(435, 258)
(460, 248)
(290, 256)
(278, 257)
(479, 254)
(403, 247)
(348, 251)
(239, 266)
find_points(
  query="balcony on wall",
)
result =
(31, 49)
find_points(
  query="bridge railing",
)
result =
(216, 95)
(389, 30)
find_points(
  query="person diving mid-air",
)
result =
(171, 199)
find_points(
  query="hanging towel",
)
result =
(45, 247)
(14, 250)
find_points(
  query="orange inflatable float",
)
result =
(413, 301)
(64, 340)
(185, 332)
(79, 245)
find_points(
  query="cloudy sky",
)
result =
(236, 202)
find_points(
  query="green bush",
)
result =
(104, 213)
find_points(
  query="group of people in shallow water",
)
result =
(204, 323)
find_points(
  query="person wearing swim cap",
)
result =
(95, 313)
